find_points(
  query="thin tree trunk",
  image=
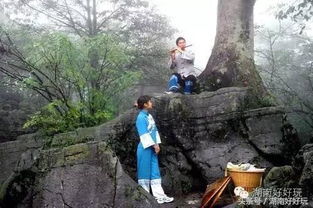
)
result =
(93, 54)
(94, 13)
(89, 22)
(232, 59)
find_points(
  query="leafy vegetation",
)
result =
(59, 69)
(300, 11)
(81, 56)
(284, 60)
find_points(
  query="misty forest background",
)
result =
(79, 63)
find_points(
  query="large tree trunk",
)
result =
(232, 60)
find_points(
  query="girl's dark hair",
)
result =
(142, 100)
(178, 39)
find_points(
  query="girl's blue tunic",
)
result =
(147, 159)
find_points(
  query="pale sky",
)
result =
(196, 21)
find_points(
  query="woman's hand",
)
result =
(156, 148)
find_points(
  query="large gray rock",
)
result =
(10, 153)
(263, 127)
(81, 175)
(279, 177)
(299, 175)
(200, 134)
(212, 129)
(304, 165)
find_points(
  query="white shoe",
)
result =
(168, 199)
(165, 199)
(160, 200)
(168, 92)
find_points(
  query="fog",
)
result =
(196, 21)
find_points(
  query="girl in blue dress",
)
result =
(148, 171)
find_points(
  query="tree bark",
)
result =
(232, 59)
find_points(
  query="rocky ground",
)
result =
(186, 201)
(193, 200)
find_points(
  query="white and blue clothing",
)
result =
(184, 75)
(148, 171)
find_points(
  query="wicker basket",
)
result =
(247, 179)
